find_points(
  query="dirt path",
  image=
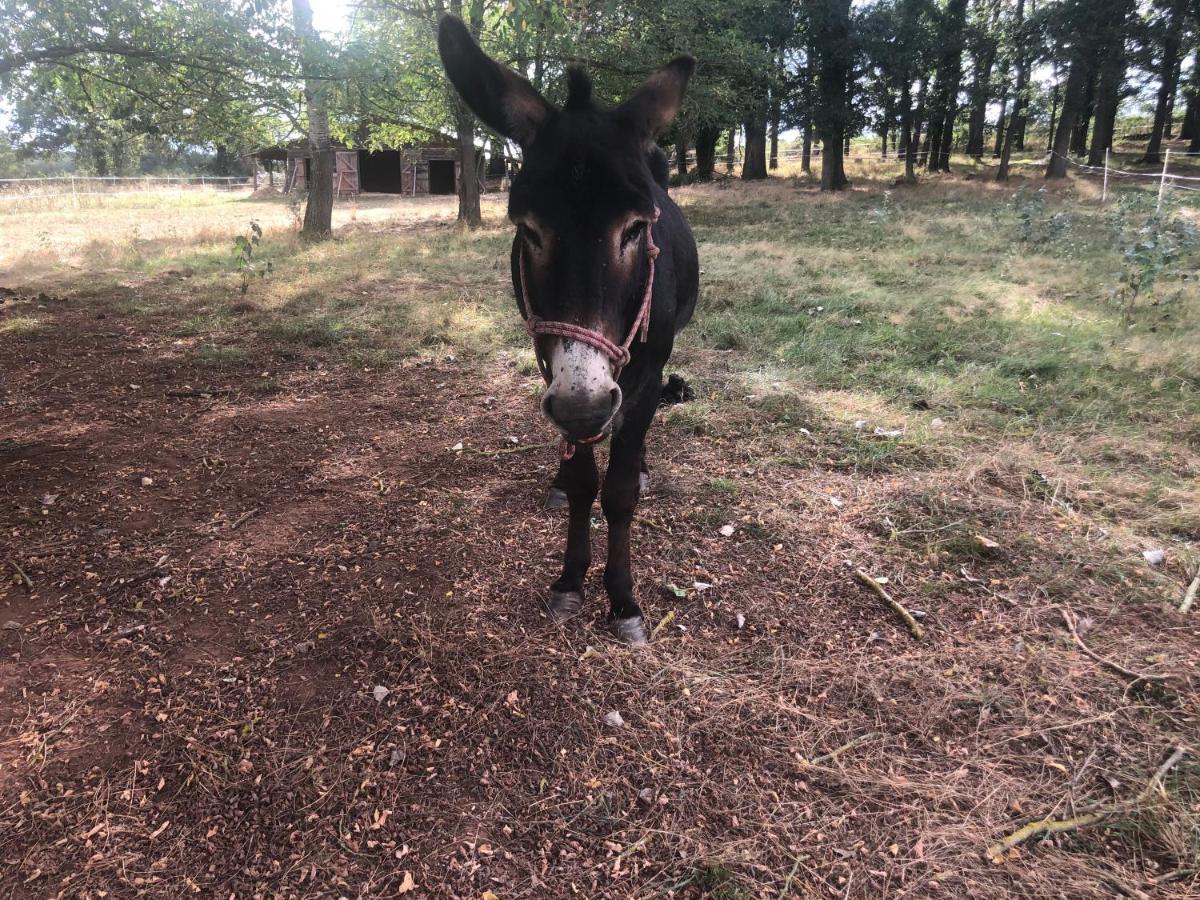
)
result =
(283, 639)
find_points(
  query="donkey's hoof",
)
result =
(564, 605)
(556, 498)
(631, 631)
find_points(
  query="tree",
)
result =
(834, 51)
(947, 83)
(983, 38)
(1170, 21)
(318, 212)
(1019, 40)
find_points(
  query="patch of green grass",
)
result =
(308, 331)
(20, 325)
(690, 418)
(222, 356)
(723, 485)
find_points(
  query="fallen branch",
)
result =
(663, 623)
(242, 518)
(1069, 619)
(996, 852)
(913, 625)
(1190, 597)
(211, 392)
(846, 747)
(25, 578)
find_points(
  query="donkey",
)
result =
(605, 272)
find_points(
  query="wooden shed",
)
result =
(430, 167)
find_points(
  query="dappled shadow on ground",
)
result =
(272, 632)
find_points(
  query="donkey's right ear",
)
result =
(504, 100)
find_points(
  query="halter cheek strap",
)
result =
(618, 353)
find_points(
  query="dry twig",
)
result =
(913, 625)
(663, 623)
(1069, 619)
(240, 520)
(1048, 825)
(1190, 597)
(849, 745)
(25, 578)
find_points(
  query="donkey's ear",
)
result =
(651, 109)
(503, 99)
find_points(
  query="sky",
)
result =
(332, 16)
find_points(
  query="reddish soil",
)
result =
(186, 690)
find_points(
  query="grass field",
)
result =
(985, 395)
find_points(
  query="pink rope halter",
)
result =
(618, 353)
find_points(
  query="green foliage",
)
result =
(249, 266)
(1151, 248)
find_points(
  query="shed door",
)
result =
(345, 172)
(441, 176)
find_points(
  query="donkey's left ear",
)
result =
(653, 106)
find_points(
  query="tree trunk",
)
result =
(914, 148)
(1017, 122)
(681, 148)
(1108, 98)
(468, 184)
(706, 152)
(833, 44)
(1166, 73)
(806, 150)
(906, 139)
(979, 102)
(1053, 111)
(776, 114)
(833, 168)
(948, 82)
(754, 160)
(1079, 138)
(1072, 106)
(947, 144)
(933, 141)
(731, 150)
(1174, 92)
(318, 211)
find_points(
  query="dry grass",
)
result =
(206, 723)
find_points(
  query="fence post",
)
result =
(74, 196)
(1104, 192)
(1162, 184)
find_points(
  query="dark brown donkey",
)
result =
(605, 271)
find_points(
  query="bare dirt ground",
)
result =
(264, 632)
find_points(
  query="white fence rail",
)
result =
(75, 186)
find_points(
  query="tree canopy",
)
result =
(109, 80)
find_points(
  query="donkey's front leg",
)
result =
(579, 481)
(619, 499)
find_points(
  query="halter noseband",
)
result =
(618, 353)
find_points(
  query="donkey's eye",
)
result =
(631, 234)
(531, 237)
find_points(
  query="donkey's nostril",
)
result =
(615, 396)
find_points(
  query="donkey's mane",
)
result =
(579, 89)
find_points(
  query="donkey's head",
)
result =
(582, 202)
